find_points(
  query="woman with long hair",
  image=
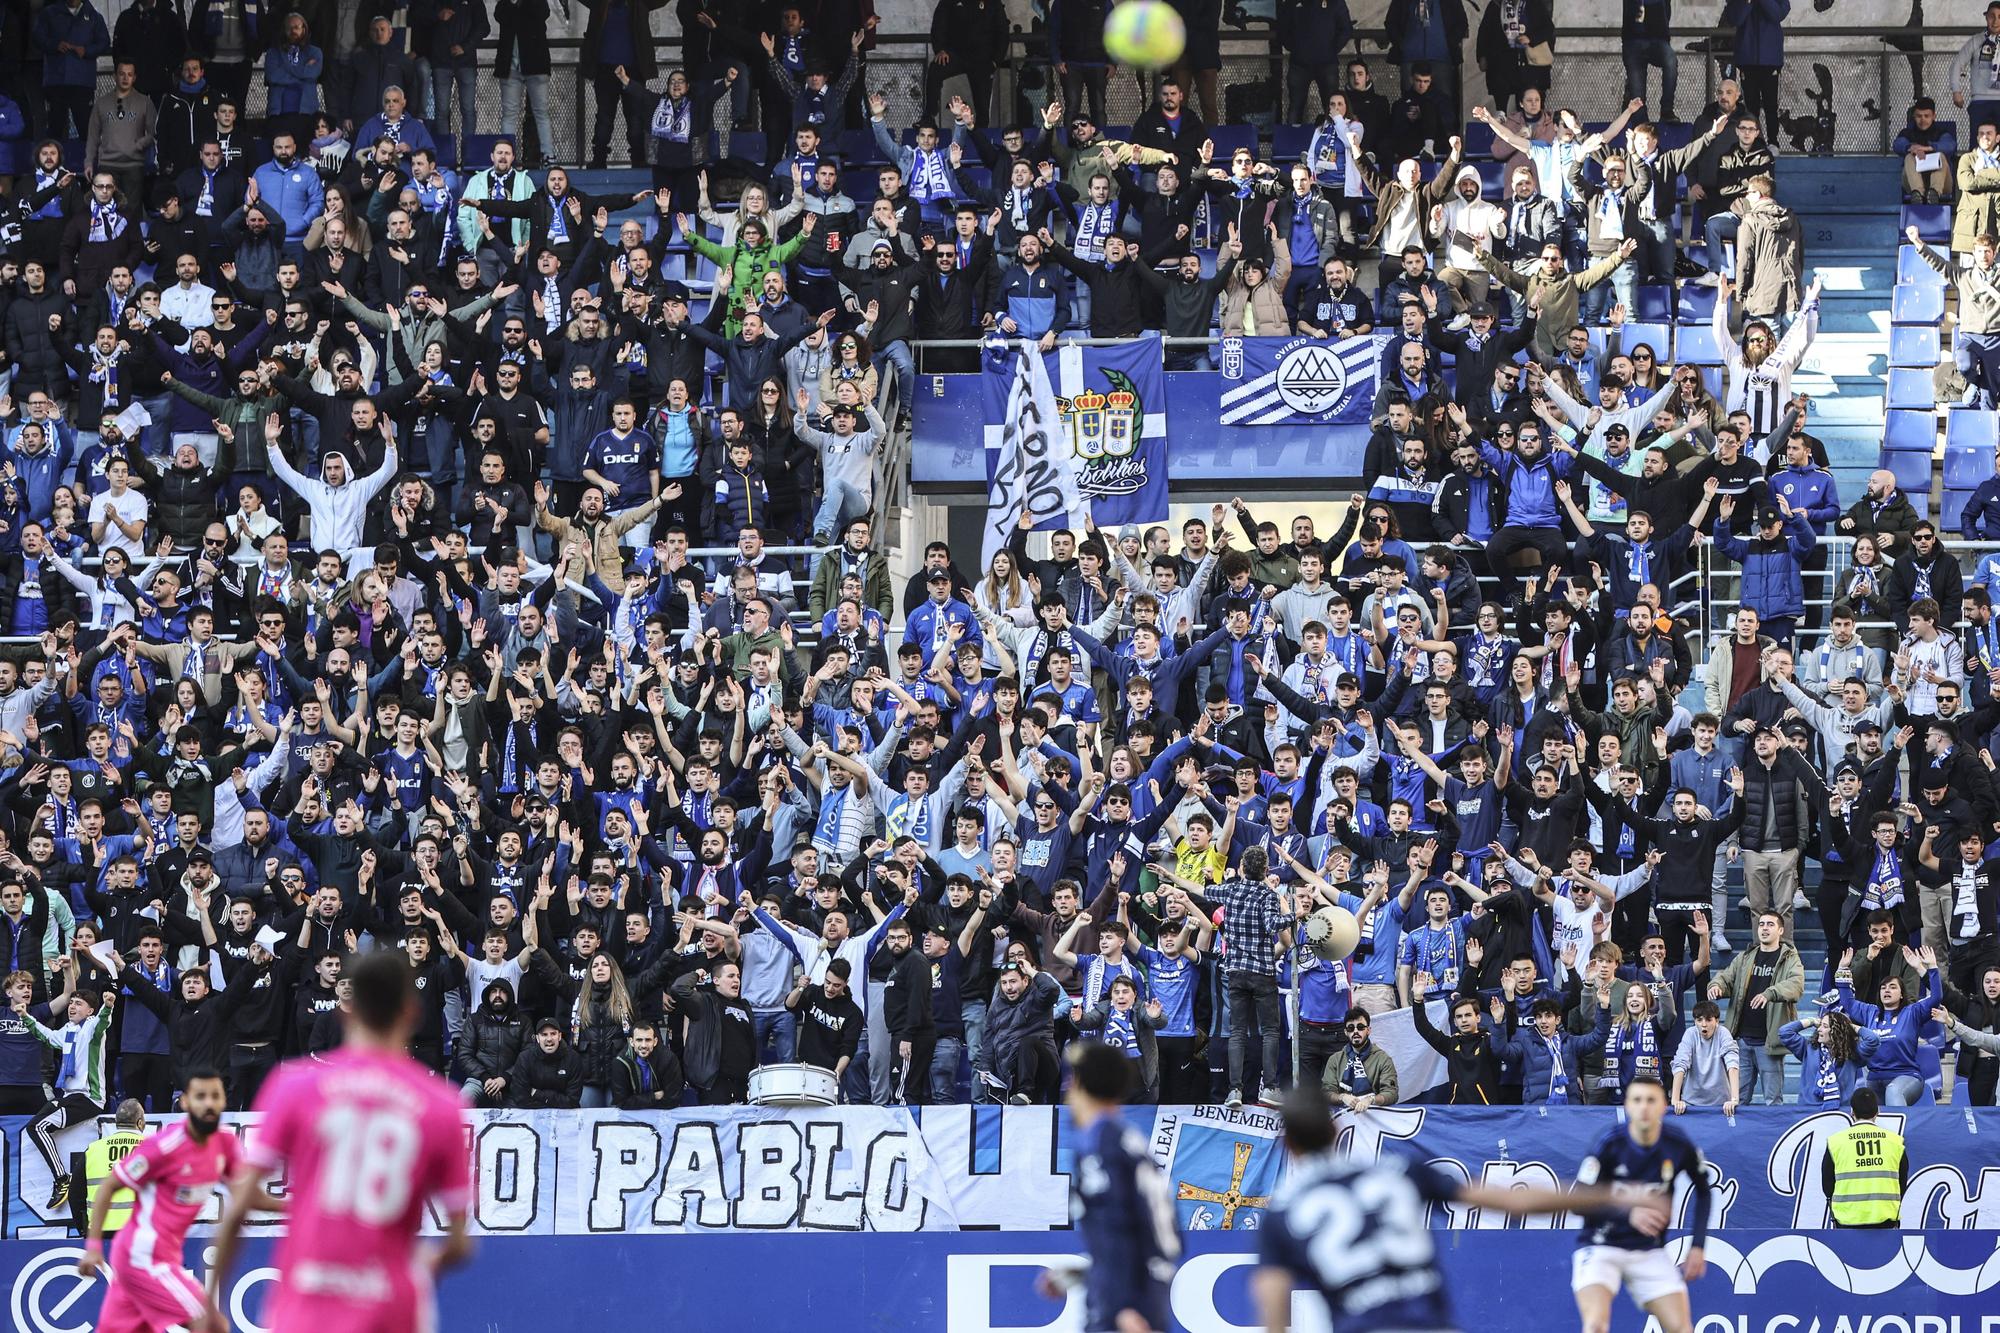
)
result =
(600, 1025)
(1865, 587)
(851, 362)
(1635, 1041)
(1004, 593)
(790, 465)
(1833, 1056)
(1893, 1070)
(1648, 376)
(358, 239)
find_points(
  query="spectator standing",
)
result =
(1975, 70)
(969, 38)
(1763, 986)
(69, 35)
(1255, 928)
(1312, 33)
(618, 33)
(1759, 53)
(1865, 1169)
(1646, 39)
(123, 125)
(1516, 48)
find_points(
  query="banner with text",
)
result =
(1297, 381)
(881, 1169)
(1111, 406)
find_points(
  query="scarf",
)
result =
(204, 204)
(910, 815)
(510, 768)
(1885, 882)
(672, 120)
(559, 221)
(104, 371)
(1093, 225)
(1558, 1069)
(1965, 903)
(1826, 1078)
(106, 222)
(1017, 210)
(1641, 1041)
(552, 303)
(832, 811)
(930, 177)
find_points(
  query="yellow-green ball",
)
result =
(1147, 34)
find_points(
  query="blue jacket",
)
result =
(1760, 32)
(1811, 1056)
(13, 138)
(1896, 1057)
(292, 75)
(925, 626)
(1811, 489)
(1038, 302)
(294, 192)
(85, 28)
(1981, 521)
(40, 475)
(1772, 584)
(1530, 487)
(1528, 1052)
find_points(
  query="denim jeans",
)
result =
(777, 1033)
(1977, 356)
(153, 439)
(1619, 288)
(1655, 256)
(534, 90)
(973, 1014)
(898, 354)
(1904, 1090)
(842, 502)
(1640, 52)
(1254, 995)
(1760, 1069)
(944, 1070)
(464, 81)
(1721, 227)
(594, 1096)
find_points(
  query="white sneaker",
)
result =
(1708, 280)
(1270, 1097)
(1234, 1099)
(1718, 942)
(1799, 900)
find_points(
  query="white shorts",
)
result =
(1647, 1274)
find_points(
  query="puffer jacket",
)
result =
(1760, 30)
(184, 503)
(1785, 782)
(492, 1038)
(1770, 263)
(543, 1079)
(1772, 583)
(34, 348)
(1527, 1051)
(1266, 299)
(599, 1039)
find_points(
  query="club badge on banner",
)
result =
(1298, 381)
(1110, 409)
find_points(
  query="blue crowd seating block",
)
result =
(1912, 471)
(1910, 303)
(1932, 221)
(1911, 345)
(1973, 430)
(1909, 432)
(1910, 386)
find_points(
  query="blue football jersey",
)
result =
(1632, 1169)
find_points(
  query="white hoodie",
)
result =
(1464, 221)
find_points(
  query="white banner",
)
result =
(1036, 468)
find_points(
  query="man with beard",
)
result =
(172, 1174)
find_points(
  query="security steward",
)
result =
(128, 1128)
(1865, 1169)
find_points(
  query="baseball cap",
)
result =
(1770, 514)
(938, 576)
(1479, 311)
(201, 856)
(674, 291)
(1870, 725)
(548, 1025)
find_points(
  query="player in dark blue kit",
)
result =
(1119, 1204)
(1358, 1232)
(1641, 1158)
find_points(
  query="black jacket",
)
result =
(1117, 296)
(493, 1036)
(541, 1079)
(906, 997)
(628, 1092)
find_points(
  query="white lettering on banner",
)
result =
(509, 1173)
(1944, 1189)
(694, 1166)
(826, 1208)
(627, 1156)
(968, 1293)
(1020, 1188)
(772, 1203)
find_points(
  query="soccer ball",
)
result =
(1332, 933)
(1147, 34)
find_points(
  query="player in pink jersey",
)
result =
(366, 1137)
(172, 1173)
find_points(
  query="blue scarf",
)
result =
(930, 177)
(1641, 1042)
(673, 120)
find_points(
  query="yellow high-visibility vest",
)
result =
(1867, 1175)
(98, 1159)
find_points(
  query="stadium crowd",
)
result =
(345, 529)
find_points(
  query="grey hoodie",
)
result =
(1705, 1061)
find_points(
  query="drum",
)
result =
(793, 1085)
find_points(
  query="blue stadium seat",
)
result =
(1977, 431)
(1910, 345)
(1913, 304)
(1913, 471)
(447, 148)
(1954, 508)
(1654, 335)
(1478, 139)
(1932, 1073)
(1932, 221)
(1711, 380)
(1492, 179)
(1676, 134)
(857, 148)
(1695, 345)
(1656, 304)
(1696, 304)
(1911, 268)
(1229, 138)
(858, 183)
(1122, 133)
(975, 178)
(1966, 465)
(1909, 432)
(1289, 142)
(746, 145)
(1911, 387)
(479, 150)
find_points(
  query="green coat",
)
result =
(747, 266)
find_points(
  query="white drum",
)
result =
(793, 1085)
